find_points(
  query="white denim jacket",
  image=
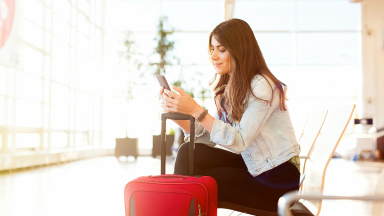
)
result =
(265, 137)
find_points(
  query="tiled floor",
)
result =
(95, 187)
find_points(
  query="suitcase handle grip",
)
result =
(175, 116)
(170, 176)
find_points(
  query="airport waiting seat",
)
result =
(377, 207)
(310, 133)
(316, 166)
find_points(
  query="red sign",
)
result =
(7, 12)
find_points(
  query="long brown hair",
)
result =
(238, 38)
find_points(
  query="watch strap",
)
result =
(202, 115)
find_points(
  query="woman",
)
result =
(252, 122)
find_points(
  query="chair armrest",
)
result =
(302, 177)
(304, 157)
(289, 198)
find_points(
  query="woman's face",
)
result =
(220, 57)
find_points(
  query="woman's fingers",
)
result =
(161, 92)
(169, 104)
(180, 90)
(164, 107)
(170, 100)
(168, 109)
(174, 102)
(179, 103)
(171, 94)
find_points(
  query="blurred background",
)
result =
(75, 75)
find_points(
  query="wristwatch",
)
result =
(202, 115)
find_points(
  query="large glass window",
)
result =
(33, 11)
(98, 12)
(267, 15)
(81, 139)
(59, 95)
(191, 48)
(334, 15)
(276, 48)
(33, 61)
(328, 48)
(140, 15)
(33, 34)
(3, 81)
(59, 117)
(2, 106)
(62, 8)
(182, 15)
(59, 140)
(82, 110)
(60, 71)
(27, 140)
(60, 50)
(47, 98)
(48, 20)
(311, 46)
(61, 28)
(28, 114)
(28, 87)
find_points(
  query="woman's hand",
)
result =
(180, 103)
(162, 99)
(161, 92)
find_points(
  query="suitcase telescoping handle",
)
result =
(178, 116)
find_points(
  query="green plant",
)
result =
(164, 45)
(171, 131)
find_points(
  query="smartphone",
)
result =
(162, 81)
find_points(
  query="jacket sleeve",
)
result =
(199, 129)
(237, 138)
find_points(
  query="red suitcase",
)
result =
(172, 195)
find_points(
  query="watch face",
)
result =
(7, 12)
